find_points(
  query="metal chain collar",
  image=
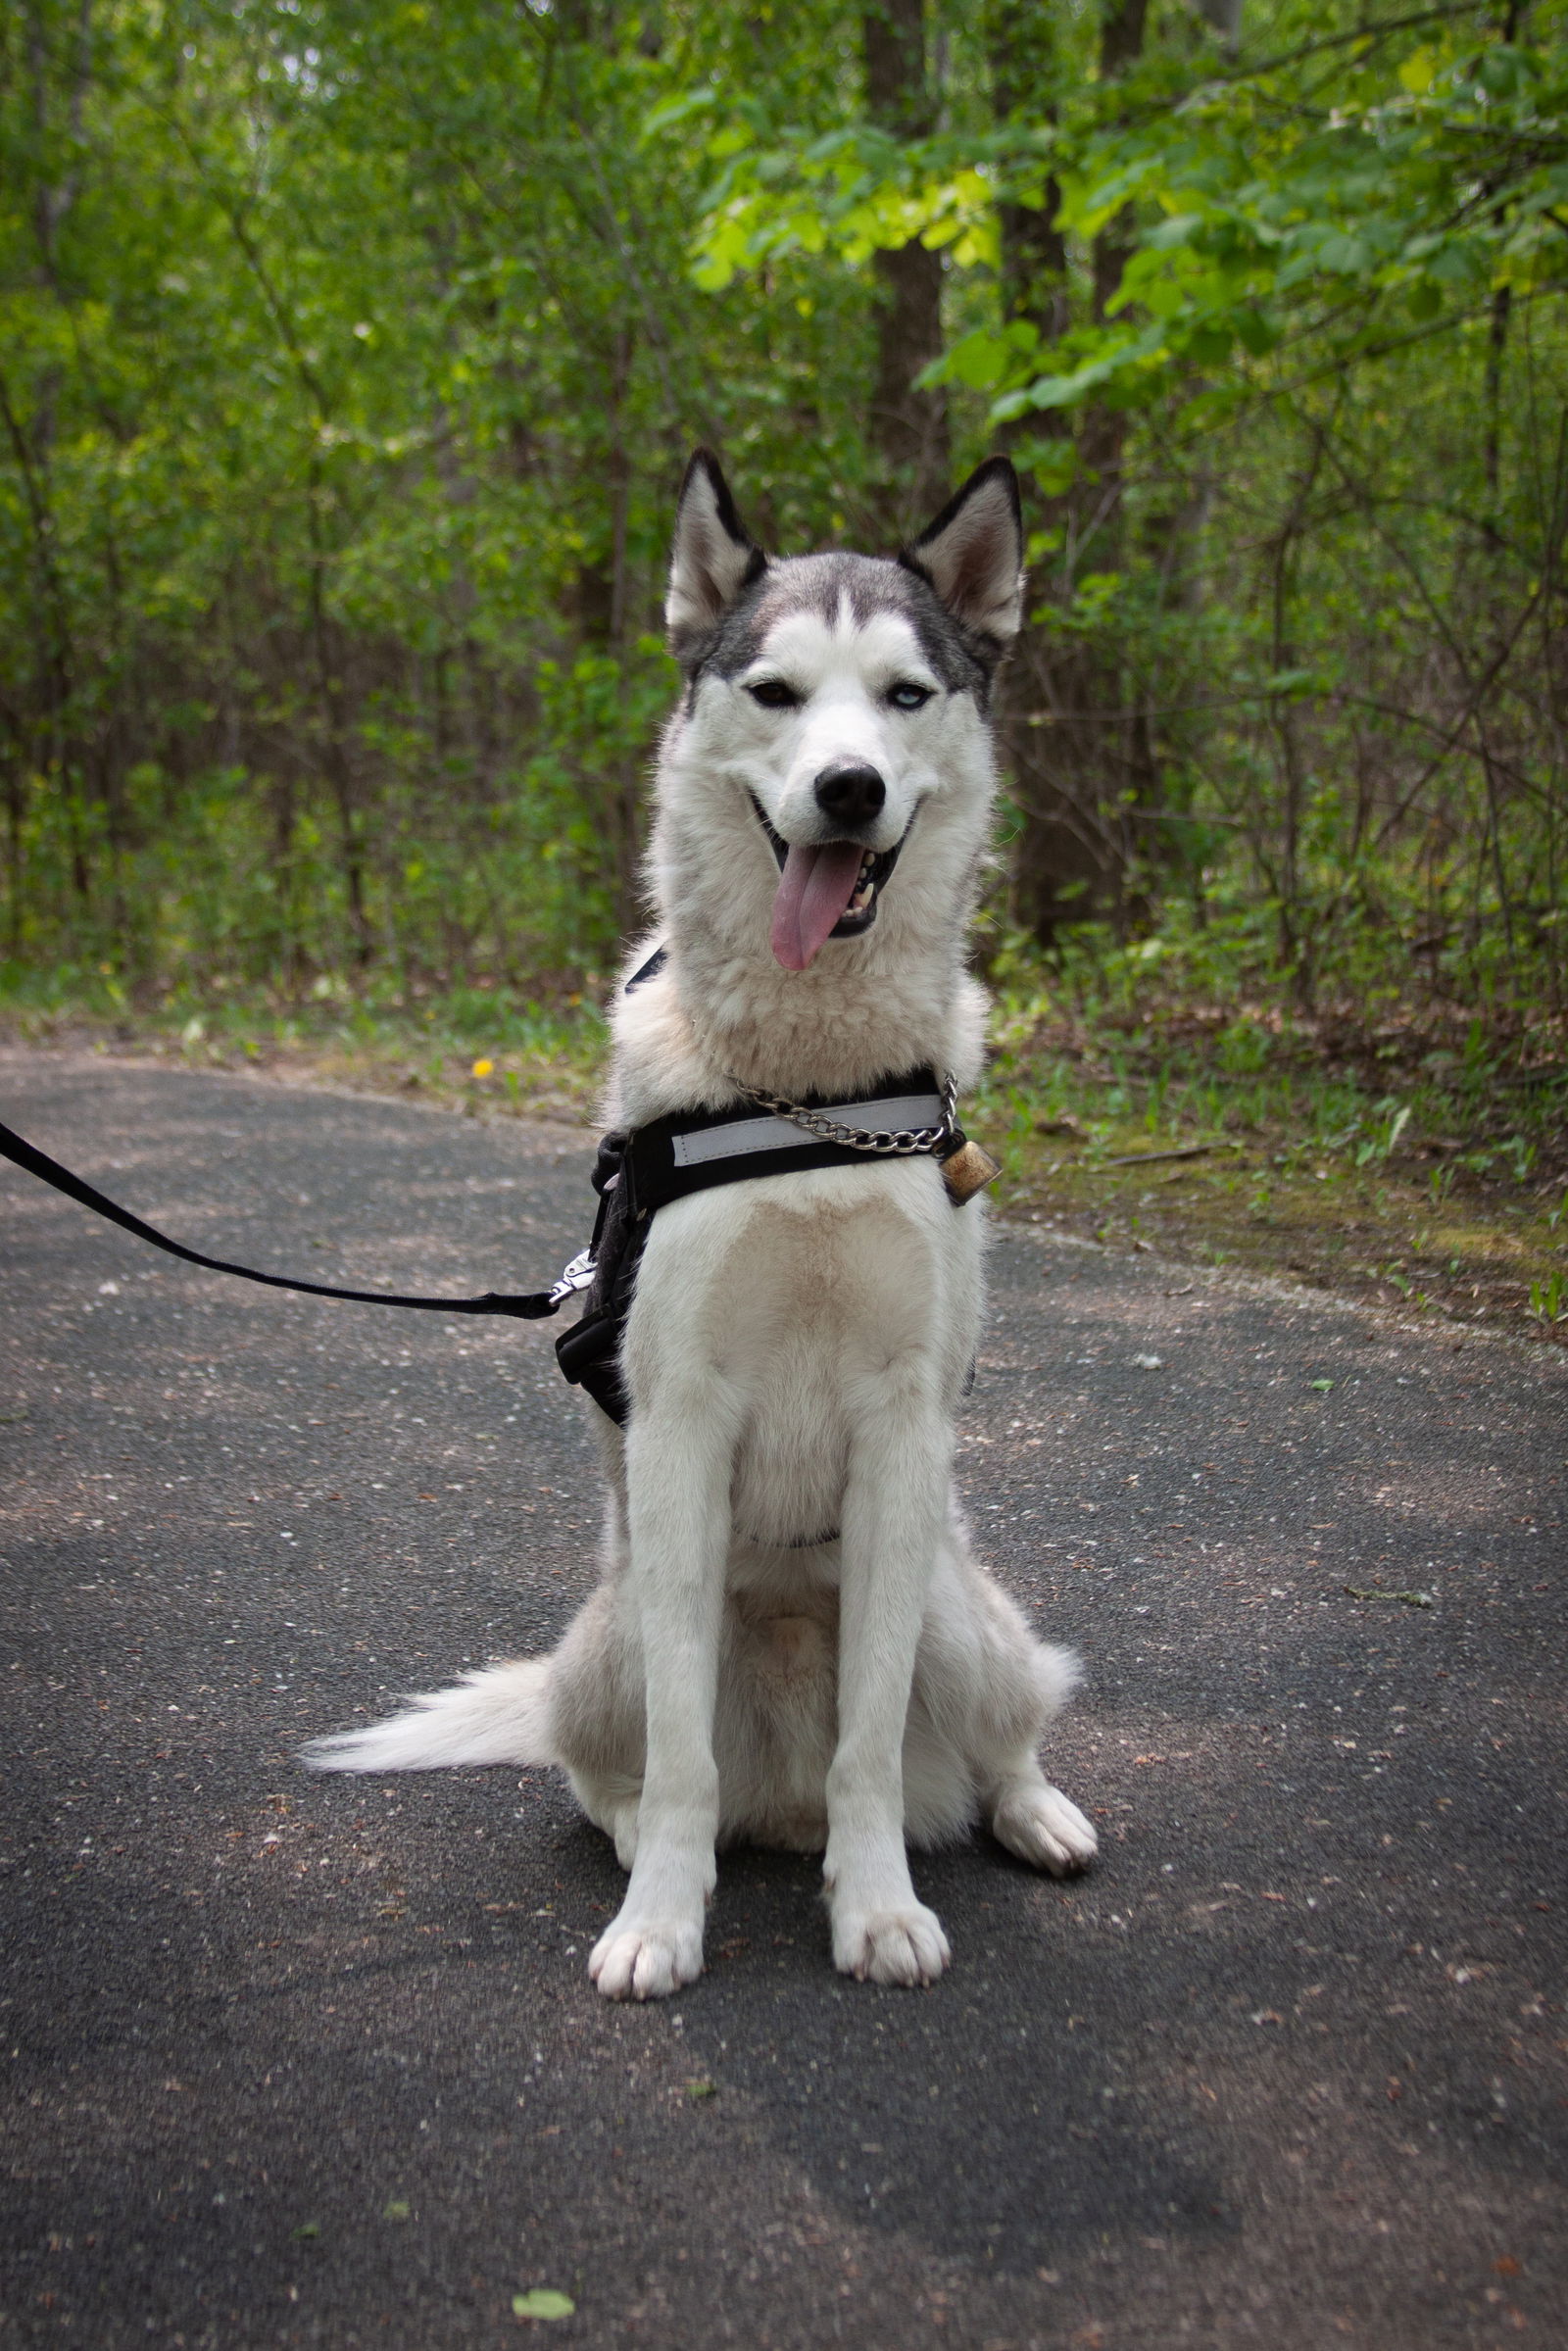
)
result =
(901, 1144)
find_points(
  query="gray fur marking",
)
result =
(871, 584)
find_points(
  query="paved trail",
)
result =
(297, 2061)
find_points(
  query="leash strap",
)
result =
(634, 1175)
(532, 1308)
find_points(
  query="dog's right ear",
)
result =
(713, 560)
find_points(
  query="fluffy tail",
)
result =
(1057, 1673)
(500, 1714)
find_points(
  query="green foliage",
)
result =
(349, 356)
(346, 369)
(1295, 415)
(1361, 181)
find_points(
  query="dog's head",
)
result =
(839, 703)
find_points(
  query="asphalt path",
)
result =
(316, 2061)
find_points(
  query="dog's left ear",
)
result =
(713, 560)
(972, 554)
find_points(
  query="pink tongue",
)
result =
(813, 892)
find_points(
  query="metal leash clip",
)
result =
(578, 1275)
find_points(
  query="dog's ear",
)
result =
(714, 558)
(972, 554)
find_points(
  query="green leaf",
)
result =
(680, 109)
(541, 2302)
(1255, 331)
(1322, 1385)
(1293, 684)
(1179, 232)
(1211, 343)
(979, 360)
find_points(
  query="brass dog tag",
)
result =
(968, 1170)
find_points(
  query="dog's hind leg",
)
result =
(678, 1461)
(1037, 1822)
(611, 1804)
(1023, 1683)
(985, 1692)
(1026, 1813)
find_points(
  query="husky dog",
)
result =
(792, 1644)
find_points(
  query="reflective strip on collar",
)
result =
(734, 1140)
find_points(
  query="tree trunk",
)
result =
(909, 426)
(624, 813)
(1057, 854)
(1025, 67)
(1077, 755)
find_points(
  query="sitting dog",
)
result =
(792, 1643)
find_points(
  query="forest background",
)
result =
(350, 353)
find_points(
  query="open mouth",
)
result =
(827, 890)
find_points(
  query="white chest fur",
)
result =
(783, 1300)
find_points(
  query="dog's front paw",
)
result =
(1044, 1827)
(647, 1959)
(890, 1947)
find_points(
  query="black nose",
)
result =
(851, 795)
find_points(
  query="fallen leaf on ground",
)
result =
(541, 2302)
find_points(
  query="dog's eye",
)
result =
(773, 694)
(909, 695)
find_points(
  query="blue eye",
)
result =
(773, 694)
(908, 696)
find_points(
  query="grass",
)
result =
(1410, 1158)
(1417, 1158)
(481, 1049)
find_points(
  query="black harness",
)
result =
(640, 1172)
(635, 1175)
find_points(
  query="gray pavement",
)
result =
(298, 2061)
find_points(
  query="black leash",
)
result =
(635, 1174)
(532, 1308)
